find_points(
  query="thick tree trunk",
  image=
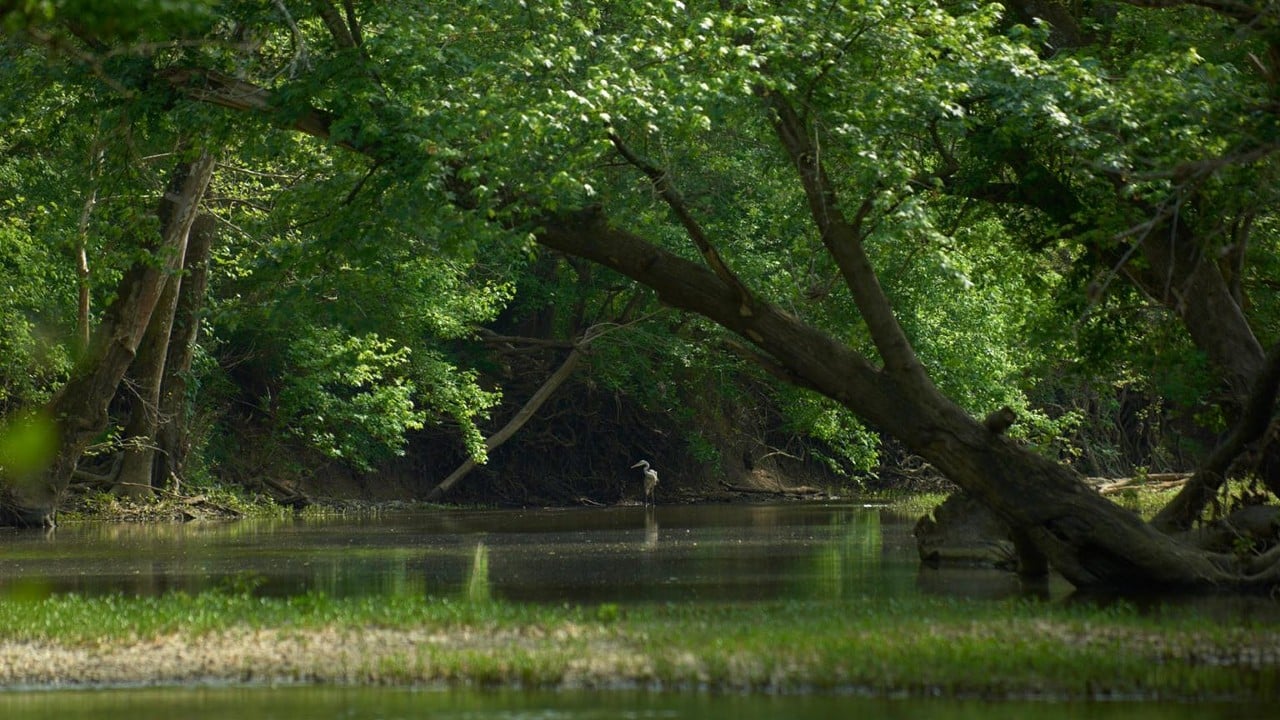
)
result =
(146, 374)
(1178, 275)
(173, 436)
(79, 408)
(1181, 276)
(1090, 540)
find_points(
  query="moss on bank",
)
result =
(920, 647)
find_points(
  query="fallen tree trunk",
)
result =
(1154, 481)
(522, 416)
(798, 491)
(1087, 538)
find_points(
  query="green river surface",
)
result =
(676, 554)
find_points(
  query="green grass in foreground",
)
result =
(925, 646)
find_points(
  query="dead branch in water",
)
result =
(1154, 481)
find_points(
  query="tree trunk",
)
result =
(523, 416)
(1192, 285)
(1088, 539)
(79, 409)
(173, 436)
(1179, 276)
(146, 373)
(1186, 506)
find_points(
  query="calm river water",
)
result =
(620, 555)
(625, 554)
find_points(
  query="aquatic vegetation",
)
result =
(922, 647)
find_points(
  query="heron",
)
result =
(650, 480)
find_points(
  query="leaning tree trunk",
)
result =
(173, 436)
(1252, 426)
(1189, 283)
(1180, 273)
(1092, 541)
(143, 391)
(519, 420)
(1087, 538)
(79, 409)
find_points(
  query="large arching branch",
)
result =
(1087, 538)
(843, 240)
(216, 88)
(819, 360)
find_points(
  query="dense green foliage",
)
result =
(385, 169)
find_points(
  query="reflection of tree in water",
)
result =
(976, 583)
(478, 588)
(801, 551)
(850, 561)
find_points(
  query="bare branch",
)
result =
(530, 407)
(299, 43)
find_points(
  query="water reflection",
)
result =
(650, 527)
(478, 588)
(629, 554)
(987, 584)
(723, 552)
(202, 703)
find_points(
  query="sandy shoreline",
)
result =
(369, 656)
(570, 656)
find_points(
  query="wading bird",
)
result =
(650, 480)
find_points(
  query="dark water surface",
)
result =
(625, 554)
(401, 704)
